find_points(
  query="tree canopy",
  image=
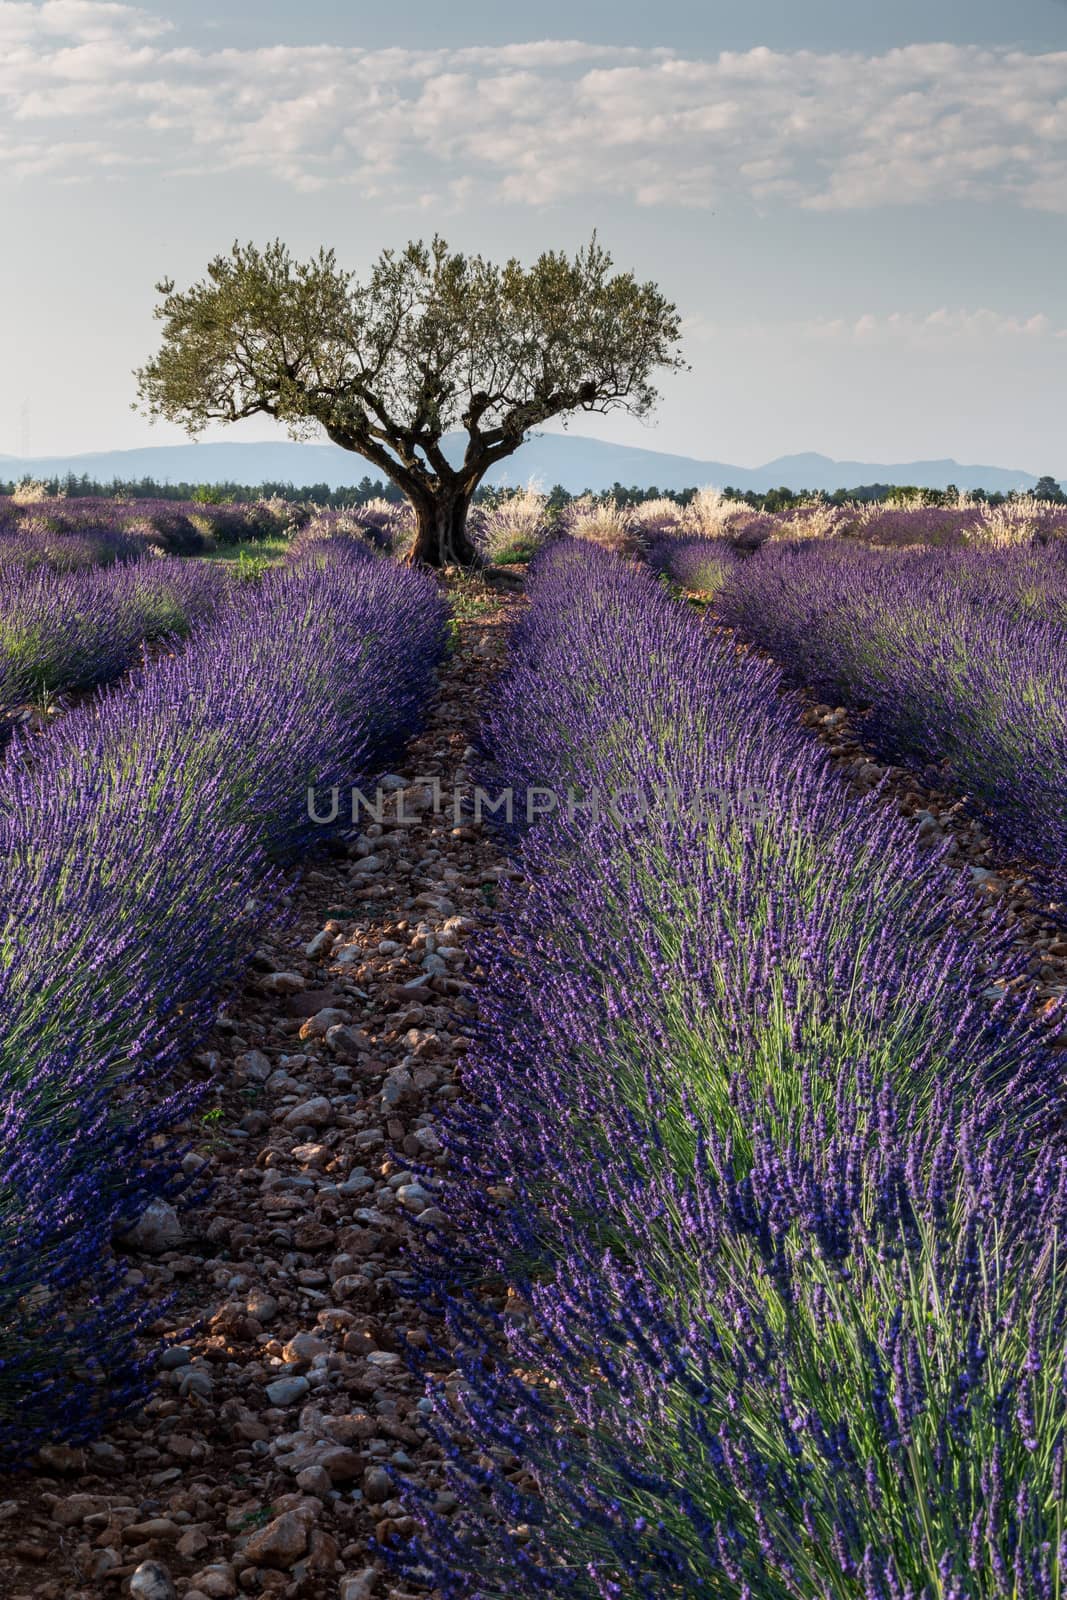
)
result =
(432, 341)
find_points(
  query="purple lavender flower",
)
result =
(139, 853)
(775, 1186)
(701, 566)
(75, 629)
(957, 660)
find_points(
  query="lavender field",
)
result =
(726, 1259)
(533, 801)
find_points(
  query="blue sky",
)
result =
(861, 211)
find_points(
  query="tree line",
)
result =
(322, 494)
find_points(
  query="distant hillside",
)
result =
(569, 459)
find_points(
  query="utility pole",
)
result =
(24, 430)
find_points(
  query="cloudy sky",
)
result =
(861, 211)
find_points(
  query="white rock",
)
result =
(359, 1585)
(317, 1026)
(417, 799)
(218, 1582)
(287, 1391)
(347, 1042)
(314, 1113)
(255, 1065)
(152, 1581)
(156, 1230)
(283, 983)
(397, 1086)
(315, 1480)
(369, 864)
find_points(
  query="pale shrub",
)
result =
(815, 519)
(515, 528)
(379, 506)
(399, 523)
(602, 522)
(386, 524)
(342, 524)
(709, 515)
(274, 517)
(659, 518)
(30, 493)
(1017, 521)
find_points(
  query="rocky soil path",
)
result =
(263, 1464)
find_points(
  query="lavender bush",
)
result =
(952, 658)
(139, 847)
(161, 524)
(336, 536)
(898, 524)
(75, 629)
(51, 531)
(30, 543)
(777, 1187)
(380, 524)
(891, 524)
(700, 566)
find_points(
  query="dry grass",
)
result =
(604, 523)
(516, 528)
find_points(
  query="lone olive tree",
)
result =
(432, 341)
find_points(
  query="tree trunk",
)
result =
(441, 537)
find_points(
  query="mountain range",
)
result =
(569, 459)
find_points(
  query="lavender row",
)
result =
(50, 531)
(700, 566)
(76, 629)
(61, 631)
(954, 659)
(66, 535)
(139, 853)
(776, 1185)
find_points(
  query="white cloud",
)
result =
(541, 122)
(946, 325)
(81, 20)
(958, 327)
